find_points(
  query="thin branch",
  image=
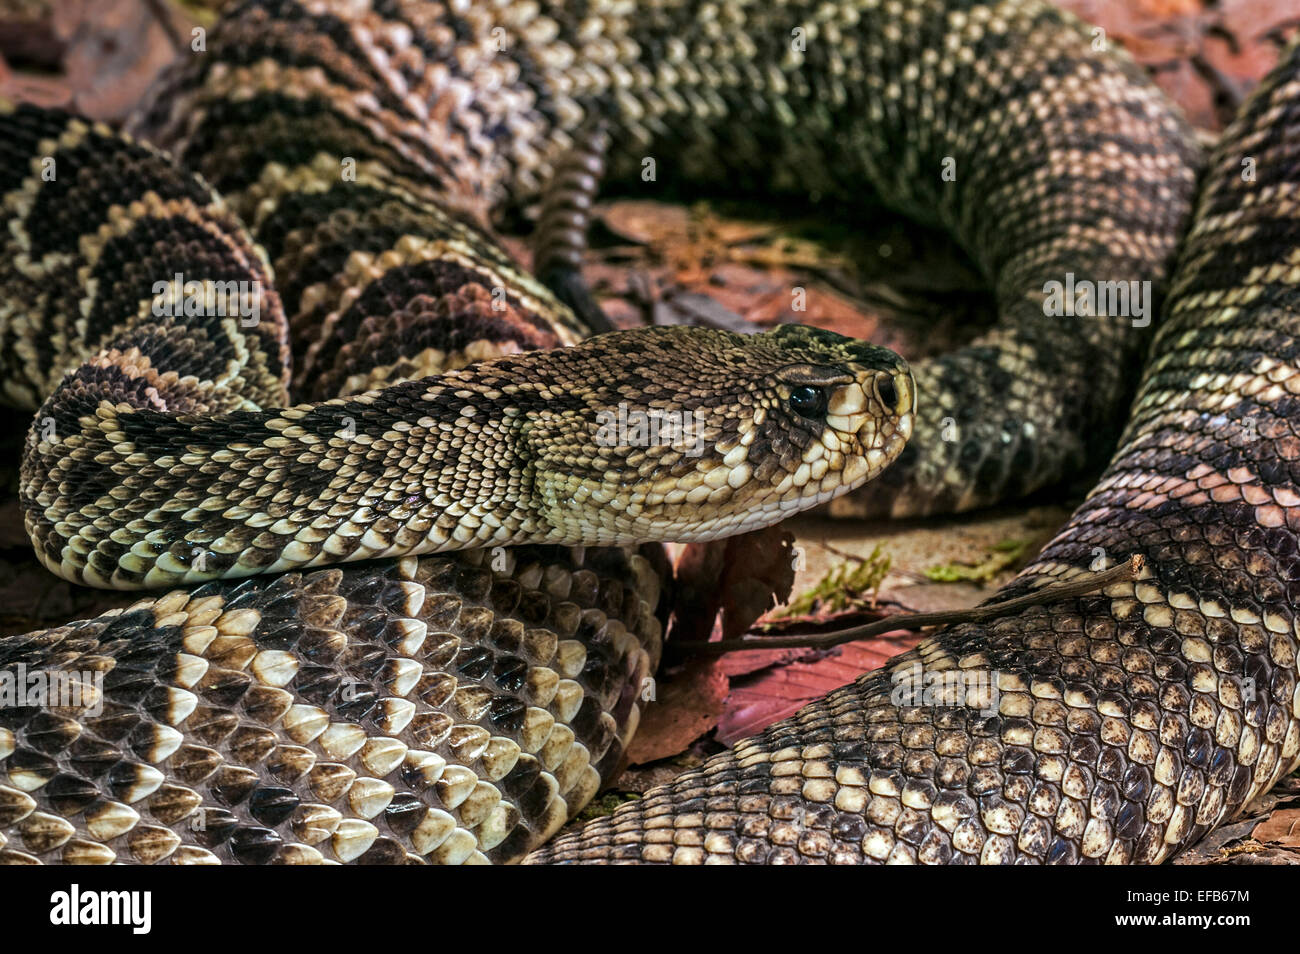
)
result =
(844, 554)
(1081, 586)
(165, 16)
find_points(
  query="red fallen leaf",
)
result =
(686, 706)
(757, 702)
(733, 581)
(752, 660)
(115, 49)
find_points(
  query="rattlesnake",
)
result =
(460, 707)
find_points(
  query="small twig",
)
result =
(1124, 573)
(1276, 34)
(845, 554)
(163, 14)
(1228, 93)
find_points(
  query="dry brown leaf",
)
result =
(115, 50)
(1166, 35)
(646, 221)
(1280, 828)
(732, 581)
(686, 706)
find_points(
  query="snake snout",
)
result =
(896, 391)
(883, 433)
(868, 418)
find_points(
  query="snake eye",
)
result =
(887, 391)
(808, 401)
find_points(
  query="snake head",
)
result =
(695, 433)
(828, 414)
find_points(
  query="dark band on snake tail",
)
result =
(100, 228)
(560, 240)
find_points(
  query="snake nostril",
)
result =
(887, 391)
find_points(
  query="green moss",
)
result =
(850, 585)
(1005, 553)
(605, 805)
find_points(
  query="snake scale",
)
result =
(459, 706)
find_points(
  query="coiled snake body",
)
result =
(459, 708)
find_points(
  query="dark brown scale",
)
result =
(255, 846)
(404, 813)
(252, 744)
(69, 795)
(279, 128)
(385, 851)
(232, 784)
(214, 826)
(52, 734)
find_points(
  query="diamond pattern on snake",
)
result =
(403, 587)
